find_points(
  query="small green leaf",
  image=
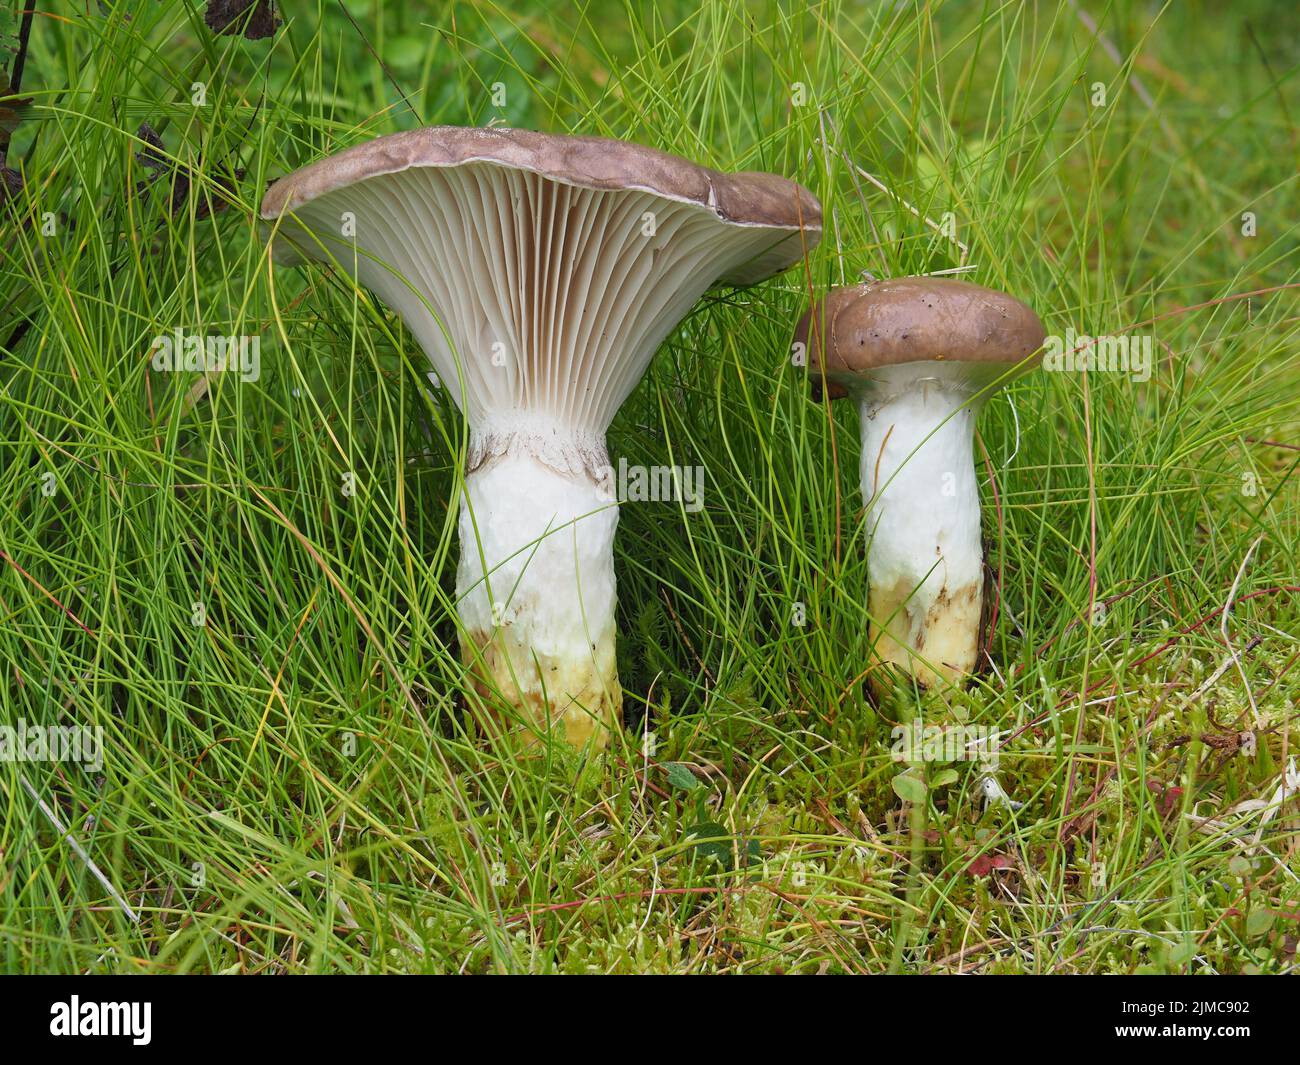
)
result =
(9, 26)
(1259, 922)
(715, 842)
(943, 778)
(910, 788)
(681, 778)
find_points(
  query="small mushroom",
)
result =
(921, 355)
(539, 273)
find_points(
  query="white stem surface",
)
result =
(536, 581)
(925, 559)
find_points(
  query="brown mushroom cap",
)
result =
(917, 319)
(749, 199)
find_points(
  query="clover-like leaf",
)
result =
(909, 787)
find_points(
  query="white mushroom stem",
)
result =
(536, 580)
(925, 560)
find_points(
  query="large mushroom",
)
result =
(921, 355)
(539, 273)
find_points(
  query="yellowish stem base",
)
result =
(934, 639)
(579, 702)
